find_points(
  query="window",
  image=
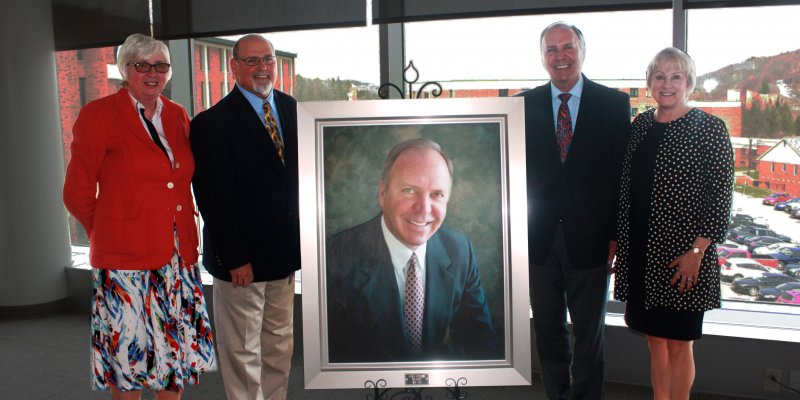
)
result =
(634, 92)
(795, 170)
(97, 77)
(203, 53)
(741, 73)
(307, 73)
(223, 60)
(634, 111)
(442, 58)
(82, 91)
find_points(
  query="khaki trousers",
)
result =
(254, 337)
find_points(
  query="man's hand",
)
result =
(612, 251)
(242, 276)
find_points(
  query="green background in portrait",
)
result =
(353, 160)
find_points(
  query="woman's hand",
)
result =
(687, 271)
(687, 265)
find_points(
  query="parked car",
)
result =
(760, 241)
(795, 213)
(772, 293)
(785, 257)
(775, 248)
(781, 205)
(741, 235)
(792, 270)
(790, 297)
(726, 253)
(737, 268)
(738, 219)
(727, 244)
(791, 204)
(776, 197)
(751, 286)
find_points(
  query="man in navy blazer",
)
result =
(246, 188)
(368, 282)
(571, 212)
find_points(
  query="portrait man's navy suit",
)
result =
(365, 315)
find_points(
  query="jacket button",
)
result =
(170, 185)
(178, 208)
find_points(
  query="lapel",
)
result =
(542, 110)
(129, 121)
(439, 282)
(288, 117)
(378, 284)
(255, 133)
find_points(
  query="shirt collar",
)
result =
(139, 105)
(254, 100)
(399, 252)
(576, 90)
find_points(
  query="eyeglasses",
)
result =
(145, 67)
(253, 61)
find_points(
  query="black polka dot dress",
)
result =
(676, 185)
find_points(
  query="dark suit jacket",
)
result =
(365, 317)
(247, 198)
(582, 192)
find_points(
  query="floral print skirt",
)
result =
(150, 328)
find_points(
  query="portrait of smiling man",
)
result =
(402, 287)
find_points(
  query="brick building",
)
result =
(779, 167)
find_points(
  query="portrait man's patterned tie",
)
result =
(272, 128)
(415, 303)
(564, 126)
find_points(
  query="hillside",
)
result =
(757, 74)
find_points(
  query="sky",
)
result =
(619, 44)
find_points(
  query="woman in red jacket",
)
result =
(128, 184)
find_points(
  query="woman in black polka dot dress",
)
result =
(675, 201)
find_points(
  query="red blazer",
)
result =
(120, 186)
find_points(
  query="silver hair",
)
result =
(562, 24)
(418, 143)
(138, 47)
(681, 59)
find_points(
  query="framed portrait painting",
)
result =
(414, 242)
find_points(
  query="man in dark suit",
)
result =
(575, 133)
(400, 287)
(246, 187)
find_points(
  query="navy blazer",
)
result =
(365, 317)
(247, 197)
(581, 193)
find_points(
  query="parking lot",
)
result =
(778, 221)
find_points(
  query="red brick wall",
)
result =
(69, 71)
(780, 180)
(732, 117)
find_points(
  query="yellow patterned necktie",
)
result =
(272, 128)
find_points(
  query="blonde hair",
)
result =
(681, 59)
